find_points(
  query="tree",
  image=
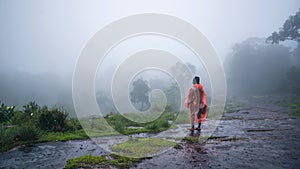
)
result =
(182, 72)
(256, 67)
(139, 93)
(289, 31)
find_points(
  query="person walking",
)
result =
(196, 102)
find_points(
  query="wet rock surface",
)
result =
(257, 137)
(253, 138)
(48, 155)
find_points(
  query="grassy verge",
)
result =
(10, 141)
(116, 124)
(35, 124)
(142, 147)
(111, 161)
(111, 125)
(60, 136)
(292, 104)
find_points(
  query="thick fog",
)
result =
(41, 41)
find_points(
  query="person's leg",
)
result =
(199, 126)
(192, 120)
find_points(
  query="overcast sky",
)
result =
(47, 36)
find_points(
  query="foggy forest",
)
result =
(258, 126)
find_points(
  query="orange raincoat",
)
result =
(192, 102)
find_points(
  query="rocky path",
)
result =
(257, 137)
(253, 138)
(48, 155)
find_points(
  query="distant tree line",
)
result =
(264, 66)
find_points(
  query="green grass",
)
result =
(191, 139)
(43, 137)
(142, 147)
(60, 136)
(121, 124)
(111, 161)
(295, 112)
(292, 105)
(260, 96)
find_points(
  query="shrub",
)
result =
(53, 120)
(8, 136)
(27, 132)
(6, 112)
(73, 124)
(19, 118)
(2, 136)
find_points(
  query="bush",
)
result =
(8, 135)
(6, 112)
(53, 120)
(27, 132)
(19, 118)
(73, 124)
(2, 132)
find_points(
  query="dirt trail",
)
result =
(252, 138)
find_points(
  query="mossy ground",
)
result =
(111, 161)
(142, 147)
(191, 139)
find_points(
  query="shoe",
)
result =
(192, 128)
